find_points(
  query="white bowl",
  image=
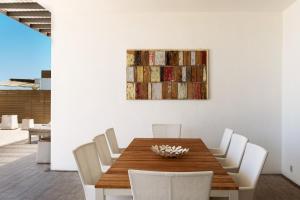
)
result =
(168, 151)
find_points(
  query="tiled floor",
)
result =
(25, 180)
(12, 152)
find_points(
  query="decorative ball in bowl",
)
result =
(168, 151)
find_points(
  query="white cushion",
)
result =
(9, 122)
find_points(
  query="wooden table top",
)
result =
(138, 155)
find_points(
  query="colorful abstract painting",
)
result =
(167, 74)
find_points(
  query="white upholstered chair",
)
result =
(103, 151)
(235, 153)
(27, 124)
(251, 167)
(9, 122)
(149, 185)
(89, 169)
(113, 142)
(222, 150)
(166, 130)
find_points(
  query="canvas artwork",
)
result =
(167, 74)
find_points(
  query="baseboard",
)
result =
(51, 170)
(271, 173)
(283, 176)
(289, 180)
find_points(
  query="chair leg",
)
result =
(100, 194)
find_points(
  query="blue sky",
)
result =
(23, 51)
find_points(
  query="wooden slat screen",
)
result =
(34, 104)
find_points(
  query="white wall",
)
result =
(45, 84)
(290, 93)
(88, 82)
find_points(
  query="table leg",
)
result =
(234, 195)
(29, 138)
(99, 194)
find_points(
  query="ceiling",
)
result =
(29, 13)
(38, 18)
(196, 5)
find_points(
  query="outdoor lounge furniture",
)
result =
(9, 122)
(44, 151)
(27, 124)
(12, 136)
(39, 130)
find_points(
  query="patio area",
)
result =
(14, 145)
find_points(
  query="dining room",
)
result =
(208, 67)
(170, 100)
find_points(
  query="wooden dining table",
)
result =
(138, 155)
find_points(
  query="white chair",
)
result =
(166, 130)
(235, 153)
(9, 122)
(89, 169)
(222, 150)
(103, 152)
(27, 124)
(251, 167)
(149, 185)
(113, 142)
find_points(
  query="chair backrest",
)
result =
(166, 130)
(149, 185)
(252, 165)
(225, 140)
(88, 164)
(236, 149)
(103, 150)
(112, 140)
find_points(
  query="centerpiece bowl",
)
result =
(168, 151)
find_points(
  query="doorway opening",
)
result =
(25, 81)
